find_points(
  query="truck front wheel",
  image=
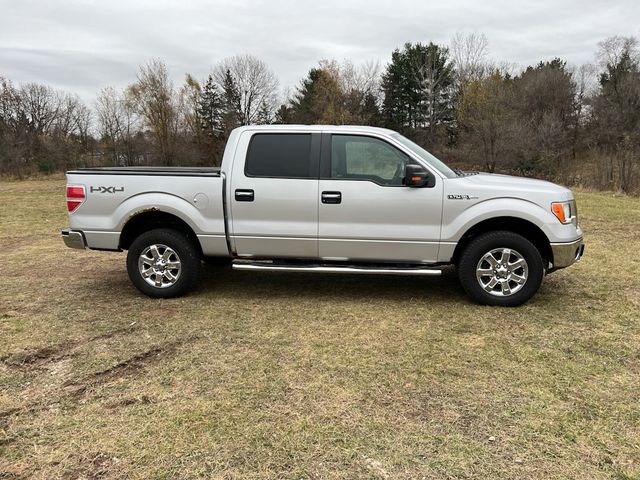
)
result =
(163, 263)
(500, 268)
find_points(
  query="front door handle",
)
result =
(331, 197)
(244, 195)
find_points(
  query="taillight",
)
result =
(76, 196)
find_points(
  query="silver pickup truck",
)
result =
(331, 200)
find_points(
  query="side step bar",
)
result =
(315, 268)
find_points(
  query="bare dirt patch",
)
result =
(131, 366)
(54, 353)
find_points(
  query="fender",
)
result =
(461, 222)
(209, 231)
(163, 202)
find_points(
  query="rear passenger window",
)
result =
(283, 155)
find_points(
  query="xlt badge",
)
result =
(461, 197)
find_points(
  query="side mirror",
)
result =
(415, 176)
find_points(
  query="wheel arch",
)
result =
(523, 227)
(151, 219)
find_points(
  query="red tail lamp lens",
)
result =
(75, 196)
(75, 192)
(71, 206)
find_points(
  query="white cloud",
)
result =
(83, 45)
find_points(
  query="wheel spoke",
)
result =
(506, 289)
(147, 273)
(154, 252)
(484, 272)
(506, 253)
(491, 259)
(519, 279)
(146, 260)
(173, 265)
(520, 263)
(158, 279)
(167, 253)
(491, 285)
(170, 276)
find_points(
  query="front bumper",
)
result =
(73, 239)
(565, 254)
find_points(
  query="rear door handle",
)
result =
(331, 197)
(244, 195)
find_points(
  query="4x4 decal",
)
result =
(106, 189)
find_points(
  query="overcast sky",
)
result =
(84, 45)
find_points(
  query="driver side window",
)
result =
(356, 157)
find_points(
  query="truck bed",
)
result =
(150, 171)
(115, 195)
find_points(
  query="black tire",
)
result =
(486, 242)
(188, 256)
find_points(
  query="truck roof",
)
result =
(317, 128)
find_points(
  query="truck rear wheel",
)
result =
(163, 263)
(500, 268)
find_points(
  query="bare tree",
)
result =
(12, 126)
(110, 120)
(155, 99)
(83, 122)
(189, 107)
(612, 49)
(73, 117)
(469, 54)
(9, 105)
(486, 119)
(118, 124)
(585, 78)
(257, 84)
(616, 109)
(361, 89)
(364, 77)
(40, 106)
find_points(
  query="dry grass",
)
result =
(294, 376)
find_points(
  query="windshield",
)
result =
(426, 156)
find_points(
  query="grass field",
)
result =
(309, 376)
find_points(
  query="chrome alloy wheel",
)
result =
(159, 265)
(502, 272)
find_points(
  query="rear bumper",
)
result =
(73, 239)
(565, 254)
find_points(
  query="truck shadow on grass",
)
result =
(327, 288)
(222, 281)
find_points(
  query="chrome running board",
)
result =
(315, 268)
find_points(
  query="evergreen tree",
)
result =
(418, 87)
(283, 115)
(264, 114)
(232, 116)
(370, 111)
(318, 99)
(211, 109)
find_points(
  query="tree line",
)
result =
(579, 125)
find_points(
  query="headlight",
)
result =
(566, 212)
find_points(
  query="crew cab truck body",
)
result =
(326, 199)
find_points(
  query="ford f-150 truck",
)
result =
(329, 199)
